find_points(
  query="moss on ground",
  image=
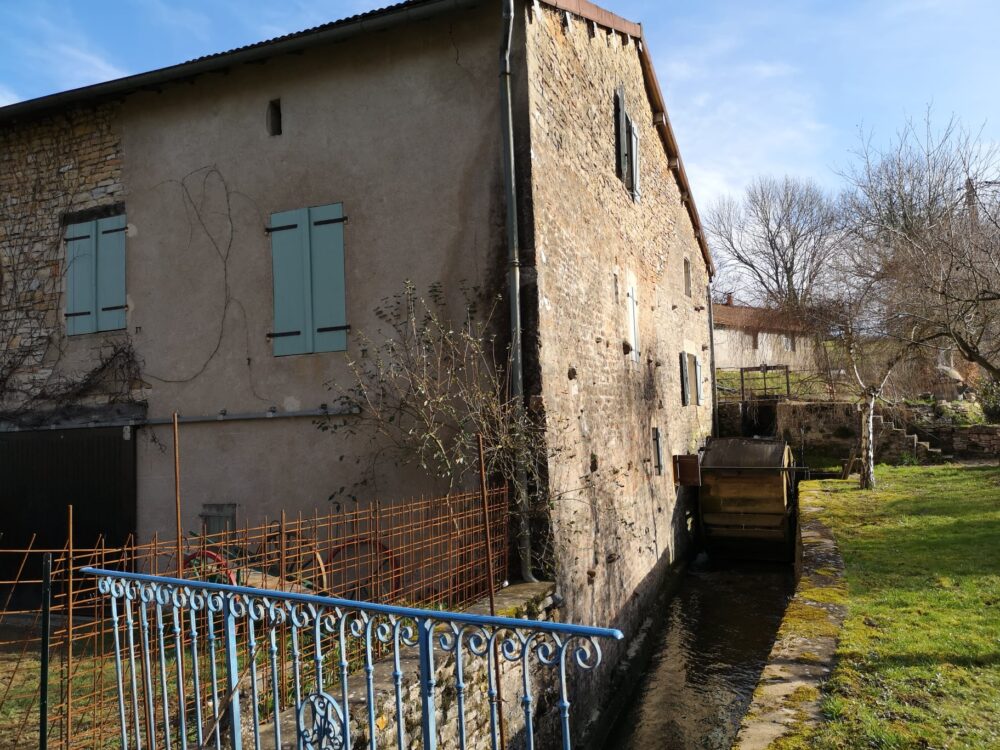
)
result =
(919, 655)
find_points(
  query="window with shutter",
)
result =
(95, 276)
(621, 140)
(698, 391)
(685, 391)
(633, 319)
(633, 158)
(657, 452)
(307, 256)
(693, 379)
(111, 302)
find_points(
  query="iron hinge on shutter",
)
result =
(283, 334)
(331, 329)
(321, 222)
(76, 314)
(282, 228)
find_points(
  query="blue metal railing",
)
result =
(178, 687)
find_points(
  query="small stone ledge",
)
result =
(533, 601)
(788, 693)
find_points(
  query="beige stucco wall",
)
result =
(734, 347)
(402, 127)
(613, 525)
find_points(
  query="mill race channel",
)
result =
(711, 647)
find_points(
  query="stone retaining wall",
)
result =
(977, 440)
(787, 694)
(834, 426)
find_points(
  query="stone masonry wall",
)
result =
(977, 440)
(835, 426)
(618, 521)
(68, 162)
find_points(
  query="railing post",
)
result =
(69, 627)
(233, 676)
(43, 697)
(425, 642)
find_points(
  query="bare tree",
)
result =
(864, 344)
(931, 202)
(777, 240)
(427, 385)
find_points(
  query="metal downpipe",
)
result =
(514, 276)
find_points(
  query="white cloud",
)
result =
(58, 54)
(187, 20)
(739, 115)
(73, 64)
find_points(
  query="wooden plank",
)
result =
(761, 520)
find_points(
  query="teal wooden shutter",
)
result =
(698, 381)
(111, 302)
(329, 306)
(292, 275)
(685, 390)
(621, 139)
(81, 278)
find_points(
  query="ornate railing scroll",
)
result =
(206, 665)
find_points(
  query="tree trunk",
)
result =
(868, 443)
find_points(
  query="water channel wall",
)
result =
(834, 427)
(787, 694)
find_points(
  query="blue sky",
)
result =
(752, 86)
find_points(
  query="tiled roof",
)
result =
(756, 319)
(372, 20)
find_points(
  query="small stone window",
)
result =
(687, 277)
(632, 301)
(657, 452)
(218, 518)
(274, 117)
(626, 146)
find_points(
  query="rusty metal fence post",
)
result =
(68, 730)
(43, 694)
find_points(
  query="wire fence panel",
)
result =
(426, 552)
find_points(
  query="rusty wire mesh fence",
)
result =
(428, 552)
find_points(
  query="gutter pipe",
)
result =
(513, 274)
(222, 416)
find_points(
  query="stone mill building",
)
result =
(208, 237)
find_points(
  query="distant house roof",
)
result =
(375, 20)
(756, 319)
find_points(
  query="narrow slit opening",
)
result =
(274, 117)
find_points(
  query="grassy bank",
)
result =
(919, 655)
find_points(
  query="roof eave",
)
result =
(377, 20)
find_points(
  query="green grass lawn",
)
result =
(919, 656)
